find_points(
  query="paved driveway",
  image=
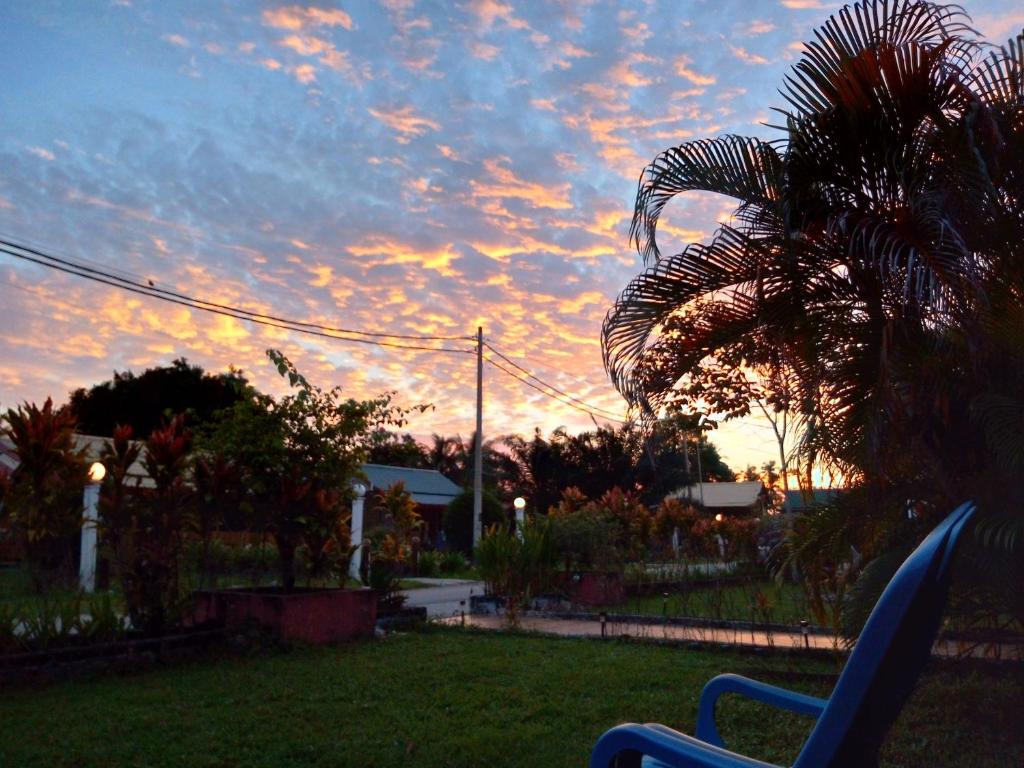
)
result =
(444, 596)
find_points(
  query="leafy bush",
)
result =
(585, 541)
(454, 561)
(42, 506)
(54, 623)
(516, 566)
(388, 558)
(143, 529)
(601, 534)
(632, 518)
(294, 453)
(429, 564)
(672, 515)
(458, 519)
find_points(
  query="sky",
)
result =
(400, 166)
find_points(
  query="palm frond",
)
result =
(744, 168)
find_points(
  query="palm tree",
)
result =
(876, 253)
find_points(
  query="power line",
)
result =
(544, 392)
(224, 310)
(588, 406)
(150, 288)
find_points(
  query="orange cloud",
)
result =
(304, 73)
(484, 51)
(296, 18)
(177, 40)
(405, 122)
(683, 69)
(746, 56)
(393, 251)
(490, 11)
(502, 182)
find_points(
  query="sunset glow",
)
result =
(402, 166)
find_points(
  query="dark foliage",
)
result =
(145, 401)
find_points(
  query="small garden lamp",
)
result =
(520, 504)
(90, 515)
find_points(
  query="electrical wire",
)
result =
(226, 311)
(596, 408)
(530, 384)
(152, 289)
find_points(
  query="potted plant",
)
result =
(297, 457)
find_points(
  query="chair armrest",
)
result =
(799, 703)
(628, 742)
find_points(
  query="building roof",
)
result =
(427, 486)
(92, 445)
(734, 495)
(805, 499)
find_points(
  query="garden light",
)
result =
(519, 503)
(718, 517)
(97, 472)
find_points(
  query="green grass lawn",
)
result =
(454, 698)
(780, 603)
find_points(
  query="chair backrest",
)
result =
(889, 655)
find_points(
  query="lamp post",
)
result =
(520, 504)
(700, 474)
(90, 515)
(357, 530)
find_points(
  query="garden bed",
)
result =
(308, 615)
(130, 653)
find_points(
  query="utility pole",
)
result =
(478, 465)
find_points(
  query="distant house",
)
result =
(746, 499)
(92, 447)
(799, 502)
(431, 491)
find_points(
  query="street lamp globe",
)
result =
(519, 502)
(97, 472)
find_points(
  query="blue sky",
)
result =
(406, 166)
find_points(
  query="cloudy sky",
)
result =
(400, 166)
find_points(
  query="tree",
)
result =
(458, 519)
(297, 456)
(873, 262)
(599, 460)
(144, 402)
(393, 450)
(874, 255)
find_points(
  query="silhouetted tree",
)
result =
(145, 401)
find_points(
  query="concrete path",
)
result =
(744, 637)
(446, 598)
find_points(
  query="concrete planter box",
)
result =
(595, 587)
(314, 616)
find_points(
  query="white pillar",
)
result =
(357, 530)
(520, 521)
(90, 514)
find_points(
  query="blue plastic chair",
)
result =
(851, 724)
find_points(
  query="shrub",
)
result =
(458, 519)
(516, 566)
(674, 514)
(632, 518)
(585, 539)
(453, 561)
(428, 564)
(387, 563)
(42, 506)
(145, 531)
